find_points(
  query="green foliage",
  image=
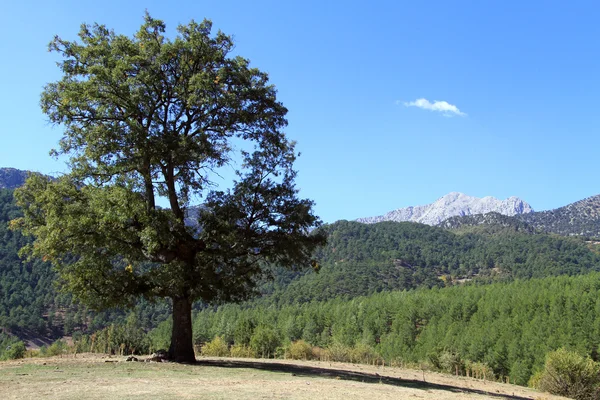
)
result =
(364, 354)
(58, 348)
(26, 287)
(15, 351)
(216, 348)
(160, 337)
(122, 339)
(265, 341)
(241, 351)
(567, 373)
(339, 352)
(299, 350)
(11, 348)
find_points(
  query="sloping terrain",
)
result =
(90, 377)
(581, 218)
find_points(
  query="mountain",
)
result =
(450, 205)
(581, 218)
(11, 178)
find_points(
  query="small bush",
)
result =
(339, 352)
(241, 351)
(57, 348)
(14, 351)
(265, 341)
(451, 362)
(321, 354)
(160, 337)
(32, 353)
(365, 354)
(215, 348)
(569, 374)
(300, 350)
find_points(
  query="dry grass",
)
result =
(89, 376)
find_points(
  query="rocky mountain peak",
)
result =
(451, 205)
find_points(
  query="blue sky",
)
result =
(360, 80)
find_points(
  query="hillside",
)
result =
(581, 218)
(365, 258)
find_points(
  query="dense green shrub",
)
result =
(11, 347)
(215, 348)
(160, 337)
(364, 354)
(299, 350)
(339, 352)
(241, 351)
(57, 348)
(265, 341)
(13, 351)
(567, 373)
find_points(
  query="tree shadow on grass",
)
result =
(309, 371)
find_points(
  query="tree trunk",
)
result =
(182, 348)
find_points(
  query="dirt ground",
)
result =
(92, 376)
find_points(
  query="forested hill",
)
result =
(580, 218)
(366, 258)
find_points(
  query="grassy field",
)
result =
(90, 376)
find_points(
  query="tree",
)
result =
(146, 119)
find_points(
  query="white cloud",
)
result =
(447, 109)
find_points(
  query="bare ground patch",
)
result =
(90, 376)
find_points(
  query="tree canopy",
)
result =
(148, 118)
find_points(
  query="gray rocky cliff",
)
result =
(451, 205)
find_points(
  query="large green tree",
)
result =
(147, 120)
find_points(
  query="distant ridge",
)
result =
(581, 218)
(11, 178)
(452, 205)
